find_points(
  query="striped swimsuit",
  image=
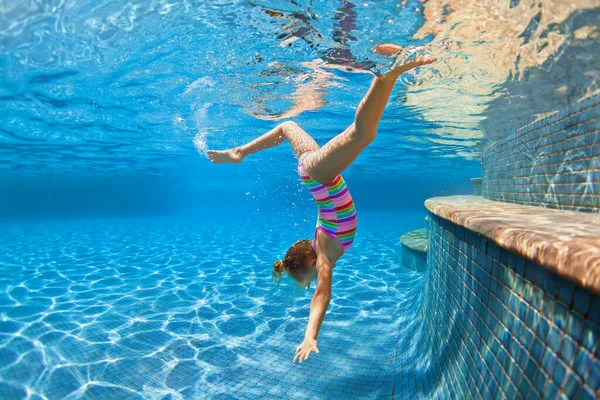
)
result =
(337, 214)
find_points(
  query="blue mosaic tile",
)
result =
(524, 337)
(551, 391)
(511, 391)
(540, 380)
(593, 379)
(549, 360)
(585, 393)
(533, 394)
(560, 315)
(530, 368)
(594, 309)
(567, 349)
(537, 351)
(543, 329)
(582, 362)
(558, 375)
(524, 386)
(591, 335)
(540, 278)
(527, 339)
(552, 284)
(511, 173)
(572, 385)
(537, 298)
(554, 338)
(575, 325)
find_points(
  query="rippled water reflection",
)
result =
(519, 60)
(104, 87)
(155, 307)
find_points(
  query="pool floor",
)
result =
(164, 308)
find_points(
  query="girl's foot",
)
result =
(232, 156)
(407, 58)
(394, 50)
(402, 65)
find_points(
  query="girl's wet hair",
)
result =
(299, 256)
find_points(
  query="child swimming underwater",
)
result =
(320, 169)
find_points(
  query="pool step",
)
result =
(563, 242)
(414, 249)
(477, 184)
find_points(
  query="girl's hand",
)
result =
(307, 347)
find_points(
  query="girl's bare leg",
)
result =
(341, 151)
(301, 143)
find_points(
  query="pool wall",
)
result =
(553, 162)
(497, 323)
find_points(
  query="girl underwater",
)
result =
(320, 169)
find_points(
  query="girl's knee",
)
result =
(289, 125)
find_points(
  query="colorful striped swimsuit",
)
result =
(337, 214)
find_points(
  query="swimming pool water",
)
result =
(131, 267)
(146, 308)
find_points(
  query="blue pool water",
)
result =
(147, 307)
(131, 267)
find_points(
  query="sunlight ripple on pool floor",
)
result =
(140, 308)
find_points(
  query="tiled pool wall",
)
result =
(553, 162)
(499, 325)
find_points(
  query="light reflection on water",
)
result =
(105, 88)
(88, 84)
(519, 60)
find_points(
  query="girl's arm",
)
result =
(318, 307)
